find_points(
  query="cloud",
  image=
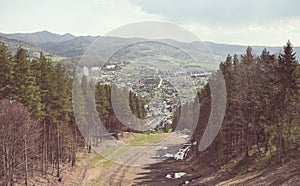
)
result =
(256, 22)
(154, 30)
(91, 17)
(221, 12)
(264, 22)
(275, 33)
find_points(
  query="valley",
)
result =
(98, 110)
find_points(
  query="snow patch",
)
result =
(175, 175)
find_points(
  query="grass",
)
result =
(99, 166)
(81, 156)
(55, 58)
(106, 163)
(110, 150)
(146, 139)
(139, 139)
(95, 160)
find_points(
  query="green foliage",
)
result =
(6, 72)
(262, 111)
(45, 90)
(105, 110)
(25, 89)
(147, 139)
(103, 102)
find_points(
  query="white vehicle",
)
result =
(182, 153)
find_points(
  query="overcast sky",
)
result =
(255, 22)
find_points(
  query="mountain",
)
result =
(39, 37)
(107, 45)
(68, 46)
(14, 44)
(224, 49)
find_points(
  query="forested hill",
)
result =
(261, 127)
(39, 37)
(67, 45)
(14, 44)
(38, 131)
(39, 134)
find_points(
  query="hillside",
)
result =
(94, 169)
(221, 50)
(14, 44)
(258, 142)
(39, 37)
(70, 46)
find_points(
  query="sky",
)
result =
(255, 22)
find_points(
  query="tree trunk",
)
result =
(280, 144)
(4, 157)
(282, 108)
(44, 154)
(74, 141)
(25, 154)
(58, 154)
(247, 141)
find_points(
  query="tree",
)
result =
(286, 92)
(45, 89)
(44, 73)
(6, 72)
(25, 89)
(17, 138)
(248, 58)
(103, 103)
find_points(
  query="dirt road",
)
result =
(127, 164)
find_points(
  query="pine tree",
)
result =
(6, 72)
(287, 88)
(25, 89)
(44, 73)
(102, 103)
(248, 57)
(132, 102)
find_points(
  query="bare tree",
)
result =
(17, 137)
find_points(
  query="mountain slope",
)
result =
(68, 45)
(39, 37)
(224, 49)
(14, 44)
(69, 48)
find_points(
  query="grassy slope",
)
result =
(94, 169)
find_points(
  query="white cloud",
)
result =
(251, 23)
(274, 33)
(94, 17)
(231, 12)
(108, 15)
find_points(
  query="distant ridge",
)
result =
(39, 37)
(14, 44)
(68, 45)
(68, 48)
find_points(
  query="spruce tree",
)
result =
(6, 72)
(25, 89)
(286, 92)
